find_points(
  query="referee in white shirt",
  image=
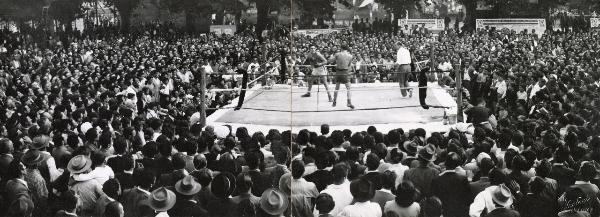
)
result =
(403, 60)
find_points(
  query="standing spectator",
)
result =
(303, 193)
(35, 181)
(452, 188)
(424, 174)
(90, 190)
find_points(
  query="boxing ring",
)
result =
(377, 104)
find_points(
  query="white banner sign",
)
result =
(431, 24)
(539, 25)
(315, 32)
(223, 29)
(595, 22)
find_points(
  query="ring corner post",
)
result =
(202, 97)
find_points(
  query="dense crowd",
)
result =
(107, 124)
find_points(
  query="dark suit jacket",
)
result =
(187, 208)
(479, 186)
(170, 179)
(4, 162)
(125, 179)
(163, 165)
(375, 178)
(222, 208)
(259, 182)
(205, 196)
(321, 178)
(382, 197)
(454, 191)
(563, 175)
(13, 189)
(117, 164)
(134, 202)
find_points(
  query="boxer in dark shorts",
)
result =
(343, 62)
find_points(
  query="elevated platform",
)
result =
(377, 104)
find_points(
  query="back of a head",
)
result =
(453, 160)
(497, 177)
(324, 203)
(372, 161)
(339, 171)
(431, 207)
(143, 178)
(388, 179)
(112, 188)
(113, 209)
(587, 172)
(405, 194)
(297, 169)
(244, 183)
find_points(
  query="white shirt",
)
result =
(342, 197)
(362, 209)
(399, 169)
(501, 89)
(403, 56)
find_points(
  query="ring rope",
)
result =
(311, 111)
(361, 89)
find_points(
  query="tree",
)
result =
(399, 7)
(65, 11)
(125, 9)
(319, 9)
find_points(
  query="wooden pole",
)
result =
(459, 97)
(202, 97)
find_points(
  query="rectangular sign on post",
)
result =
(315, 32)
(431, 24)
(539, 25)
(223, 29)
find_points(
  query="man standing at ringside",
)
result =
(403, 60)
(343, 64)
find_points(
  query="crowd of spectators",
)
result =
(107, 124)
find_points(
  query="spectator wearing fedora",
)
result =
(89, 191)
(133, 198)
(222, 186)
(273, 203)
(186, 205)
(423, 175)
(452, 188)
(36, 183)
(363, 191)
(493, 197)
(161, 200)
